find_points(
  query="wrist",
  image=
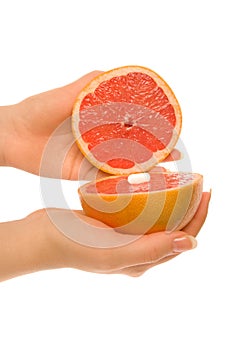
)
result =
(6, 132)
(42, 235)
(26, 246)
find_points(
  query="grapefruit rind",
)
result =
(144, 212)
(157, 156)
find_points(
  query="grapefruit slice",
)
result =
(167, 202)
(126, 120)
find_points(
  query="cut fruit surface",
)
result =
(165, 203)
(126, 120)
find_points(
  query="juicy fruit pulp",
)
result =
(137, 106)
(165, 203)
(158, 182)
(126, 120)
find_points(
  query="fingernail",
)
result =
(158, 169)
(184, 243)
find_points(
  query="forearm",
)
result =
(24, 248)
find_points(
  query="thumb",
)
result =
(154, 247)
(75, 87)
(59, 101)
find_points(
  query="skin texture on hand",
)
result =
(34, 243)
(28, 126)
(137, 257)
(31, 122)
(6, 129)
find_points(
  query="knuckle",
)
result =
(136, 271)
(136, 274)
(152, 255)
(158, 249)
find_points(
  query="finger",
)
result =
(152, 248)
(199, 218)
(133, 271)
(174, 155)
(158, 169)
(139, 270)
(88, 172)
(58, 102)
(63, 98)
(136, 271)
(75, 87)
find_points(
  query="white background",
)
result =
(187, 302)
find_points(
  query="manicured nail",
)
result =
(184, 243)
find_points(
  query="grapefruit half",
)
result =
(126, 120)
(167, 202)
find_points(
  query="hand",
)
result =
(27, 126)
(30, 124)
(135, 258)
(50, 249)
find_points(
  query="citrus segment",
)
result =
(132, 110)
(158, 182)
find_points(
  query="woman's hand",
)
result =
(36, 243)
(29, 124)
(134, 258)
(26, 128)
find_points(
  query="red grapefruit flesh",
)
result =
(126, 120)
(167, 202)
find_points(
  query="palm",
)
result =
(37, 119)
